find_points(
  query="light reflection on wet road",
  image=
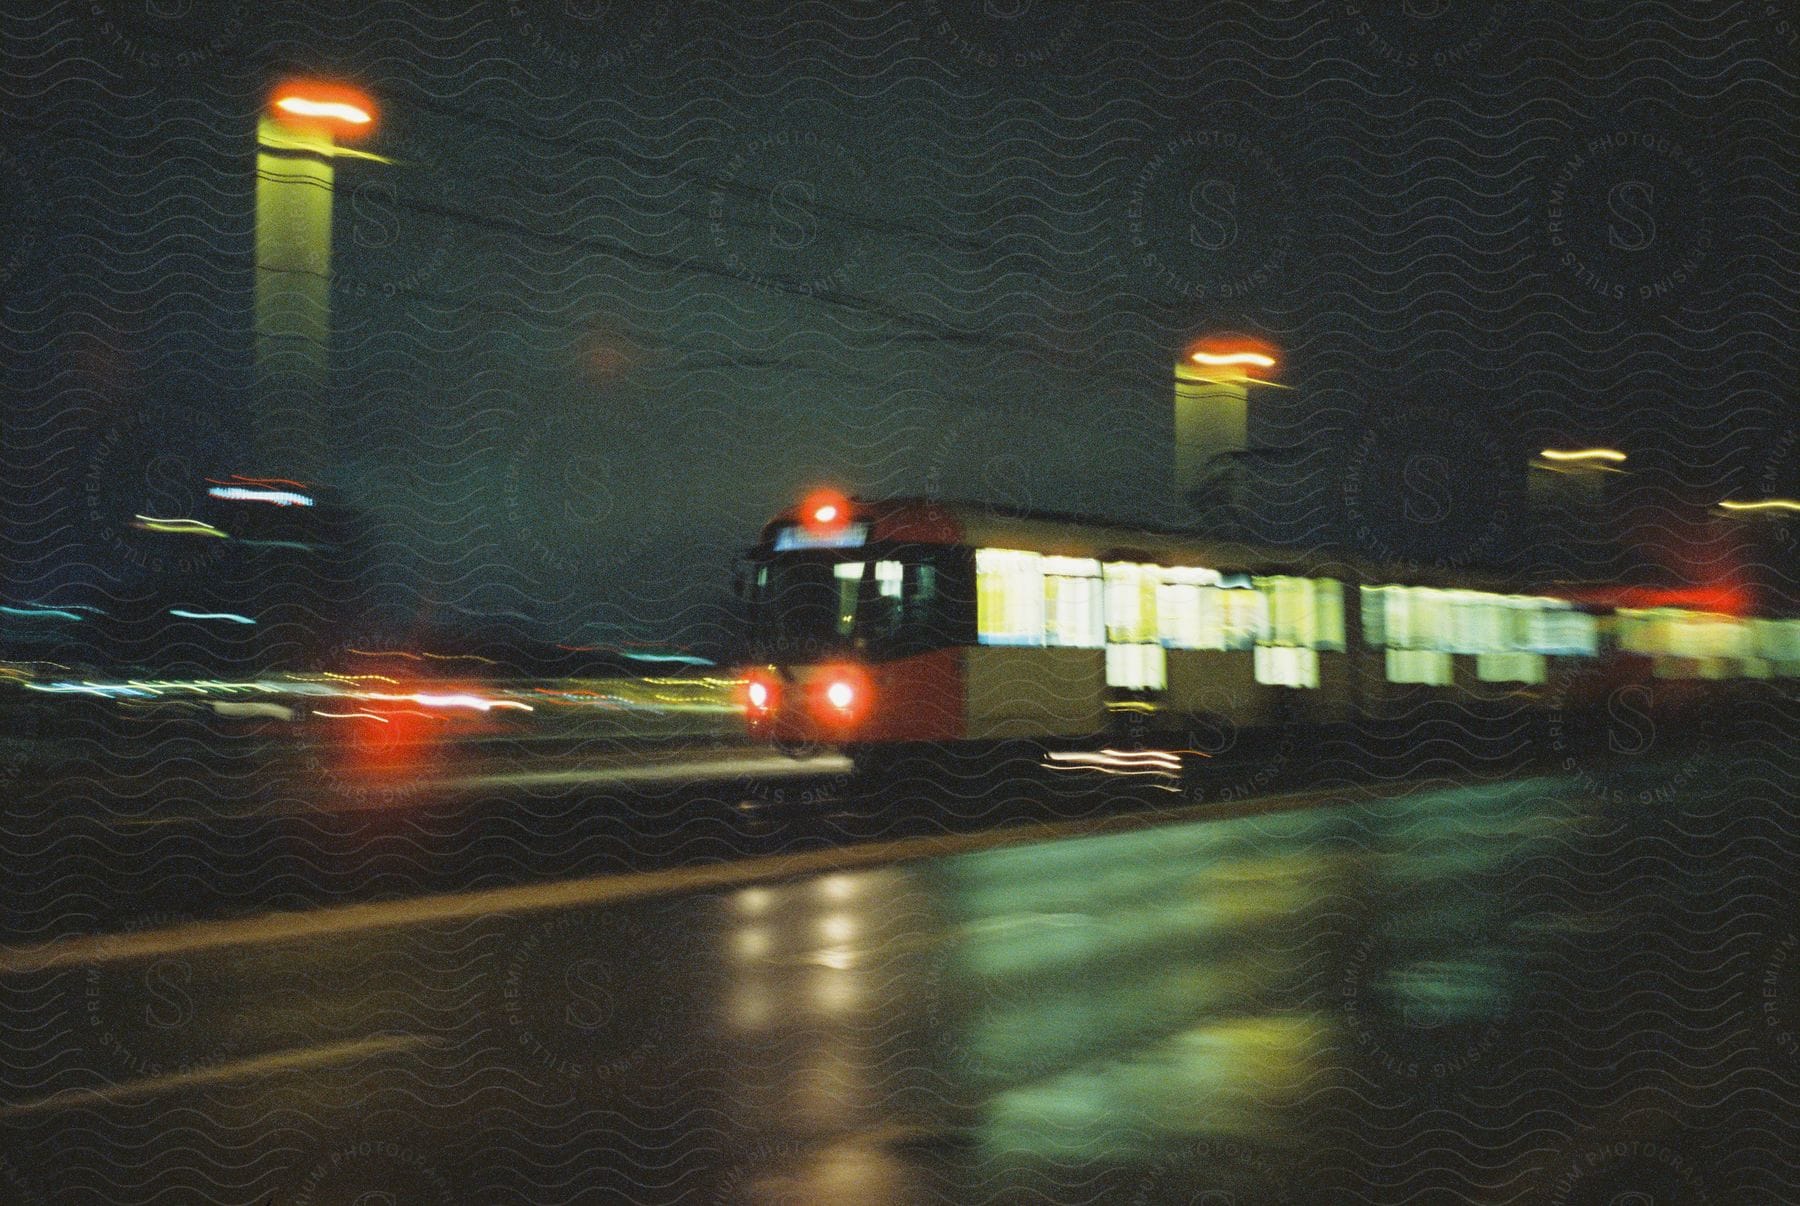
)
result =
(1506, 993)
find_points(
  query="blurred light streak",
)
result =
(281, 498)
(211, 615)
(180, 527)
(1722, 600)
(420, 656)
(301, 106)
(1583, 454)
(240, 479)
(1152, 764)
(350, 715)
(101, 689)
(432, 700)
(1226, 359)
(1767, 504)
(47, 612)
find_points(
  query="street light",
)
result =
(1213, 380)
(299, 137)
(350, 116)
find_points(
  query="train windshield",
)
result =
(806, 604)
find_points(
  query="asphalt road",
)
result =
(1570, 985)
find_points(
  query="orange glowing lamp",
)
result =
(824, 510)
(322, 107)
(1234, 356)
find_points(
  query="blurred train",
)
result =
(883, 625)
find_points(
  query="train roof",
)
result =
(986, 525)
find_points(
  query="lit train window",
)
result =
(1210, 617)
(1287, 666)
(1328, 632)
(1137, 667)
(1557, 628)
(1510, 667)
(1131, 602)
(1419, 619)
(1306, 613)
(1704, 637)
(1246, 616)
(1189, 614)
(848, 575)
(1290, 610)
(1009, 597)
(1374, 615)
(1072, 602)
(1779, 641)
(1478, 623)
(1180, 620)
(1428, 666)
(1509, 635)
(810, 601)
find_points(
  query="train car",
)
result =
(908, 622)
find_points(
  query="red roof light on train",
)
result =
(825, 509)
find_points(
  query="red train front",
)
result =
(857, 616)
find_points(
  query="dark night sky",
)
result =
(646, 271)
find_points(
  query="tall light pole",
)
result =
(1572, 493)
(1213, 380)
(298, 140)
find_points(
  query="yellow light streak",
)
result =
(1766, 504)
(1231, 359)
(184, 527)
(1583, 454)
(441, 657)
(300, 106)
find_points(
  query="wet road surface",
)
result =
(1561, 986)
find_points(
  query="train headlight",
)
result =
(841, 695)
(760, 696)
